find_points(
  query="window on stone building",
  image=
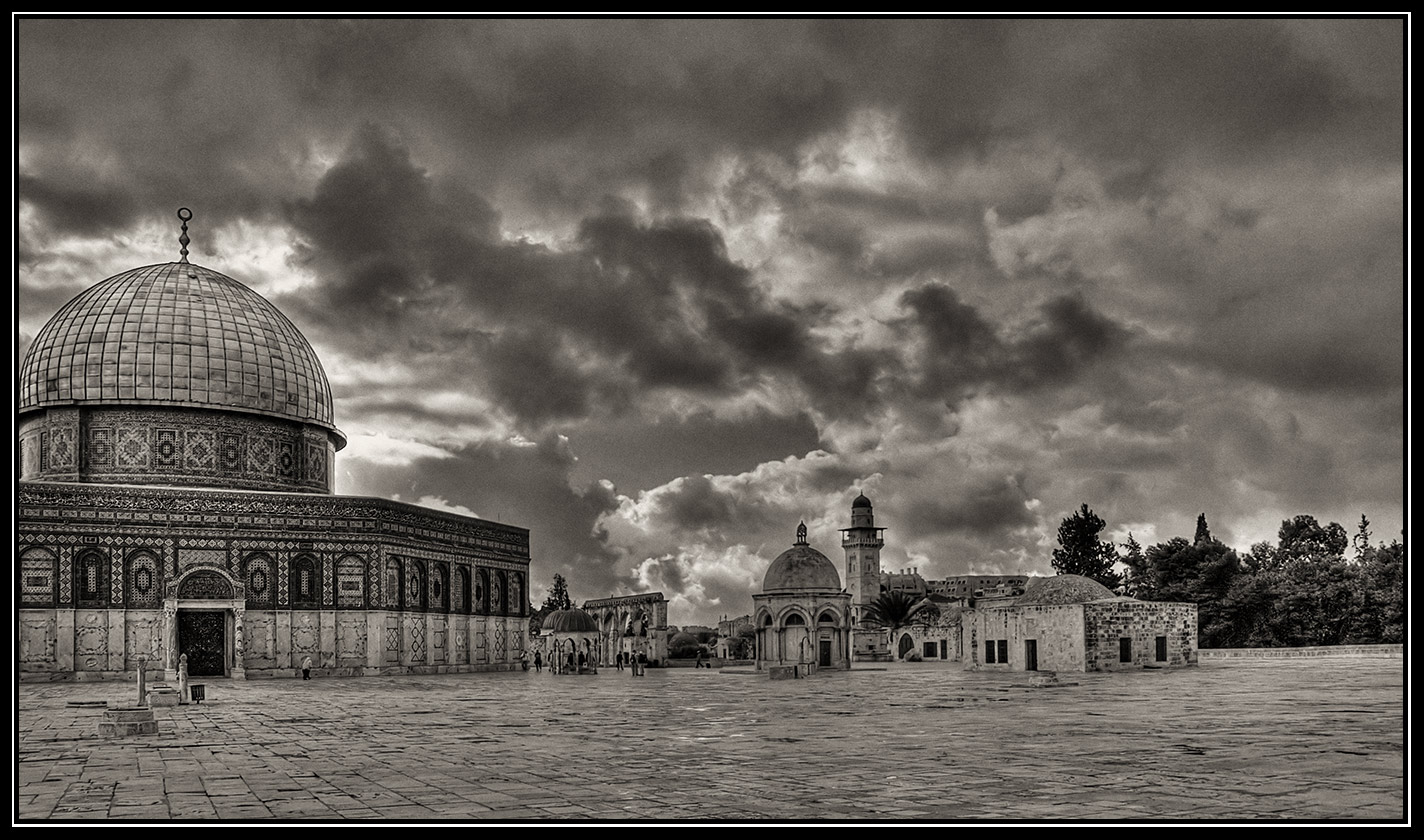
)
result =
(37, 577)
(302, 584)
(1161, 648)
(1124, 647)
(391, 596)
(92, 587)
(143, 579)
(1003, 650)
(795, 619)
(350, 582)
(989, 650)
(259, 580)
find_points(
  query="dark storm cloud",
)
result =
(525, 486)
(985, 505)
(634, 452)
(963, 352)
(404, 269)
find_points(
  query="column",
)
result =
(239, 649)
(170, 640)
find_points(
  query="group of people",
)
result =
(636, 662)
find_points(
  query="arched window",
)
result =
(392, 592)
(350, 583)
(498, 603)
(460, 593)
(794, 620)
(305, 585)
(826, 618)
(91, 580)
(439, 587)
(516, 602)
(258, 575)
(766, 622)
(482, 592)
(38, 576)
(142, 580)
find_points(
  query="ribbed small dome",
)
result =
(860, 502)
(1063, 589)
(570, 621)
(801, 568)
(176, 334)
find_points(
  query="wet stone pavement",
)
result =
(1260, 740)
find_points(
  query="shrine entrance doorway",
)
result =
(202, 635)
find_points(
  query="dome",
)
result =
(801, 568)
(176, 334)
(569, 621)
(860, 502)
(1063, 589)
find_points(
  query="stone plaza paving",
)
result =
(1309, 740)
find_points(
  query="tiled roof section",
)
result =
(1063, 589)
(801, 568)
(175, 334)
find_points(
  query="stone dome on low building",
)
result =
(801, 568)
(176, 334)
(569, 621)
(1063, 589)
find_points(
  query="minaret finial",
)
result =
(801, 533)
(185, 214)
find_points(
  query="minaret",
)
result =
(862, 543)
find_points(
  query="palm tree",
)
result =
(896, 608)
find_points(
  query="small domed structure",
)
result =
(570, 621)
(802, 613)
(860, 502)
(1063, 589)
(571, 641)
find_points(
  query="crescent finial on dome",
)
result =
(184, 214)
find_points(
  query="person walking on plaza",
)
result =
(306, 667)
(619, 660)
(538, 661)
(699, 659)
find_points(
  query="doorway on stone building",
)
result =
(826, 653)
(1030, 654)
(202, 634)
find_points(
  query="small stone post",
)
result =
(183, 679)
(142, 680)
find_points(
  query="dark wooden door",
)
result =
(1030, 654)
(202, 634)
(826, 652)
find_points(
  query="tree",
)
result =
(1201, 573)
(896, 608)
(1137, 575)
(1203, 533)
(558, 597)
(1081, 552)
(1362, 539)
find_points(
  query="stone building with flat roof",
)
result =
(1073, 623)
(176, 455)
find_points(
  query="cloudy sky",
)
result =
(659, 290)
